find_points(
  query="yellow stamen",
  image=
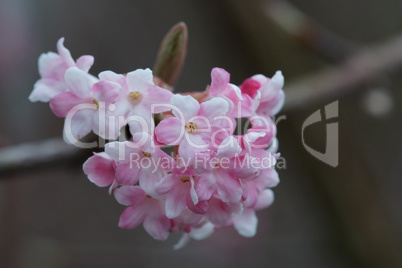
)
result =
(96, 103)
(146, 154)
(185, 179)
(135, 95)
(191, 127)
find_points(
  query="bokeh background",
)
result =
(348, 216)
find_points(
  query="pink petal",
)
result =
(114, 77)
(139, 80)
(253, 188)
(113, 187)
(266, 133)
(219, 80)
(85, 62)
(64, 103)
(260, 78)
(144, 141)
(44, 91)
(248, 106)
(126, 173)
(202, 232)
(65, 53)
(129, 195)
(166, 184)
(219, 213)
(149, 178)
(158, 228)
(258, 184)
(228, 148)
(99, 169)
(164, 161)
(49, 63)
(233, 92)
(271, 177)
(200, 208)
(274, 146)
(214, 137)
(140, 119)
(250, 195)
(252, 136)
(213, 108)
(105, 91)
(273, 106)
(184, 107)
(265, 199)
(175, 203)
(183, 241)
(106, 125)
(246, 223)
(193, 194)
(170, 131)
(272, 95)
(279, 102)
(205, 187)
(265, 158)
(229, 188)
(203, 164)
(155, 96)
(78, 82)
(272, 87)
(125, 151)
(80, 125)
(244, 166)
(190, 146)
(188, 217)
(132, 217)
(250, 87)
(234, 103)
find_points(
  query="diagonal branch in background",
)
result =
(333, 82)
(345, 78)
(35, 154)
(307, 31)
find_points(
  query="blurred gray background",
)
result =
(348, 216)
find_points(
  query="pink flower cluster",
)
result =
(183, 167)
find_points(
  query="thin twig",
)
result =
(20, 157)
(345, 78)
(307, 31)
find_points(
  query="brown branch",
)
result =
(307, 31)
(345, 78)
(27, 155)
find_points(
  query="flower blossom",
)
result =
(139, 99)
(52, 67)
(101, 170)
(139, 161)
(186, 172)
(85, 100)
(180, 194)
(195, 126)
(142, 209)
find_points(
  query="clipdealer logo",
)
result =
(331, 154)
